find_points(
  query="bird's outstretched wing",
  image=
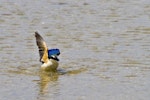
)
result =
(43, 50)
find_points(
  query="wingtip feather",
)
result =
(36, 34)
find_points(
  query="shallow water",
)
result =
(105, 49)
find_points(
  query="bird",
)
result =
(48, 58)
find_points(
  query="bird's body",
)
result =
(49, 63)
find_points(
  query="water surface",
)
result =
(105, 49)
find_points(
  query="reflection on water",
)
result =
(104, 49)
(45, 79)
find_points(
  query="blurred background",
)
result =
(104, 44)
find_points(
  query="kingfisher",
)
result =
(48, 58)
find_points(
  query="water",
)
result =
(105, 49)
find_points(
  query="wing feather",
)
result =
(43, 50)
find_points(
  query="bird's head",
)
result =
(53, 54)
